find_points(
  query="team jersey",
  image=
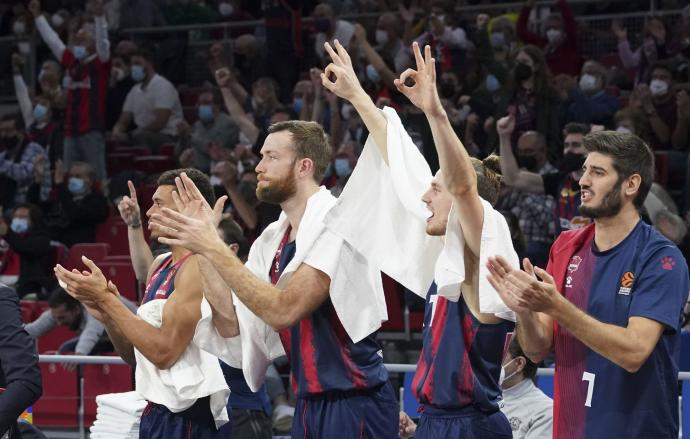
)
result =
(87, 89)
(566, 192)
(322, 356)
(461, 358)
(162, 282)
(241, 396)
(645, 275)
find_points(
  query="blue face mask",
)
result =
(138, 73)
(492, 83)
(498, 39)
(19, 225)
(40, 113)
(205, 113)
(373, 74)
(66, 81)
(297, 104)
(342, 167)
(79, 52)
(76, 185)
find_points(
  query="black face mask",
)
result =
(522, 72)
(8, 143)
(571, 162)
(528, 162)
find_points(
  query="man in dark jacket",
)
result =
(20, 375)
(28, 237)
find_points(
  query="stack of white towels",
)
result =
(118, 415)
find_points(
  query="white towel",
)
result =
(194, 375)
(356, 290)
(117, 415)
(381, 214)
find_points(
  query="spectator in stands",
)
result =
(213, 126)
(28, 237)
(76, 206)
(20, 375)
(389, 32)
(528, 409)
(38, 118)
(50, 82)
(17, 157)
(243, 204)
(329, 28)
(632, 120)
(680, 136)
(249, 59)
(344, 162)
(64, 310)
(527, 95)
(560, 41)
(121, 83)
(87, 62)
(652, 49)
(658, 102)
(534, 212)
(153, 105)
(379, 73)
(587, 101)
(562, 185)
(443, 33)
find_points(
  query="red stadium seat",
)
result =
(59, 404)
(54, 339)
(114, 232)
(135, 150)
(122, 275)
(118, 162)
(100, 379)
(96, 251)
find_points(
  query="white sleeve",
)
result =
(51, 38)
(102, 42)
(22, 93)
(164, 97)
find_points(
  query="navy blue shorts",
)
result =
(468, 423)
(371, 414)
(157, 422)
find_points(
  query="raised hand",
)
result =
(618, 30)
(423, 94)
(482, 20)
(88, 287)
(39, 168)
(129, 207)
(223, 77)
(345, 85)
(506, 125)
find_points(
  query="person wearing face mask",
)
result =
(658, 102)
(17, 157)
(528, 409)
(38, 117)
(77, 205)
(213, 126)
(527, 93)
(632, 120)
(344, 162)
(329, 28)
(588, 102)
(153, 105)
(249, 60)
(389, 32)
(27, 236)
(563, 184)
(121, 83)
(87, 65)
(560, 41)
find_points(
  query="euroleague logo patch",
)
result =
(627, 281)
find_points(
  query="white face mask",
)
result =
(658, 87)
(588, 82)
(381, 36)
(502, 378)
(623, 129)
(553, 35)
(57, 20)
(225, 9)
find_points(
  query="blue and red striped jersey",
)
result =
(645, 275)
(87, 89)
(461, 358)
(322, 356)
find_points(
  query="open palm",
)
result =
(423, 93)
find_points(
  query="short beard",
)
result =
(278, 191)
(610, 205)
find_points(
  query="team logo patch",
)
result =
(515, 423)
(667, 263)
(627, 281)
(574, 264)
